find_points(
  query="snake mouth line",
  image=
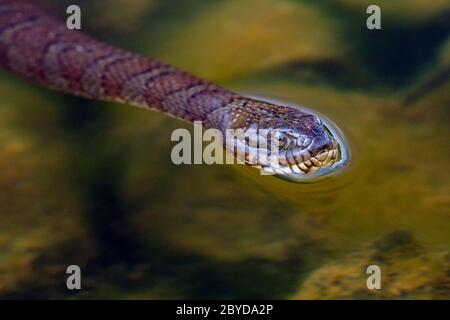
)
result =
(303, 163)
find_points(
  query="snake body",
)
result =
(38, 46)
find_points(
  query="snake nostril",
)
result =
(319, 143)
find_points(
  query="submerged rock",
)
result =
(409, 270)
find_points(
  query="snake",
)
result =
(37, 45)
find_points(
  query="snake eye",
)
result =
(280, 139)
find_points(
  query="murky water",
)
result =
(92, 184)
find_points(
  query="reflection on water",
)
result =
(91, 183)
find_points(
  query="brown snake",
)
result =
(38, 46)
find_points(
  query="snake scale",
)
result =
(40, 47)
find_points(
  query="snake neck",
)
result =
(36, 45)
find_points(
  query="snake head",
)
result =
(287, 141)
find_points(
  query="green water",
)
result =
(92, 184)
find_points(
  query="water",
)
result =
(91, 183)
